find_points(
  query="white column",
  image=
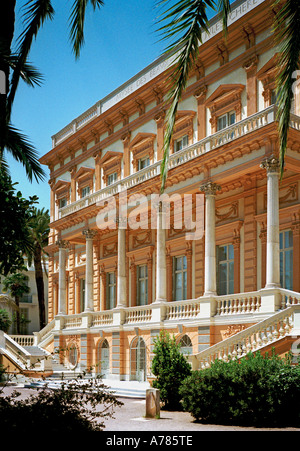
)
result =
(161, 261)
(88, 301)
(121, 277)
(210, 277)
(62, 305)
(273, 253)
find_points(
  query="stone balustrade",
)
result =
(253, 338)
(236, 304)
(282, 320)
(253, 306)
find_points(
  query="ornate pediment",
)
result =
(223, 95)
(142, 146)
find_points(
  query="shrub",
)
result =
(76, 406)
(5, 321)
(170, 367)
(257, 391)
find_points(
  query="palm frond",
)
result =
(77, 18)
(287, 35)
(36, 12)
(18, 145)
(29, 74)
(224, 8)
(186, 20)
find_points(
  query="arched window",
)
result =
(186, 346)
(103, 358)
(73, 356)
(138, 360)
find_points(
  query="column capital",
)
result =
(89, 234)
(121, 222)
(63, 244)
(271, 164)
(210, 188)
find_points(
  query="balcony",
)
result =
(230, 134)
(250, 307)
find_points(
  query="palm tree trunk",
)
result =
(17, 301)
(39, 279)
(7, 26)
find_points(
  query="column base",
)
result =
(270, 286)
(159, 301)
(210, 293)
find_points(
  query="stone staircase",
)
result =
(122, 389)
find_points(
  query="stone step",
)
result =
(120, 389)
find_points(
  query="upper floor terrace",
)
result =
(230, 140)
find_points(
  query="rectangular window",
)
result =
(226, 120)
(62, 202)
(110, 290)
(85, 191)
(82, 294)
(142, 285)
(286, 259)
(143, 163)
(179, 278)
(225, 269)
(24, 321)
(273, 97)
(181, 143)
(112, 178)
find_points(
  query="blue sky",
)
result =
(120, 40)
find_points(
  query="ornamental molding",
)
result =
(271, 164)
(89, 234)
(210, 188)
(231, 213)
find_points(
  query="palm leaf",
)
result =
(36, 12)
(287, 34)
(20, 148)
(186, 20)
(77, 18)
(29, 74)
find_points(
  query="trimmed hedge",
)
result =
(257, 391)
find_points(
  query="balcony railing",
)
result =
(232, 133)
(247, 305)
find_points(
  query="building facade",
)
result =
(218, 256)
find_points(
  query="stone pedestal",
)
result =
(152, 403)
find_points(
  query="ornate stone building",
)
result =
(216, 262)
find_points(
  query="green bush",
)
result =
(257, 391)
(5, 321)
(77, 406)
(170, 367)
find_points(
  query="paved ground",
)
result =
(131, 417)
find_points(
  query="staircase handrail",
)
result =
(248, 340)
(12, 349)
(45, 333)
